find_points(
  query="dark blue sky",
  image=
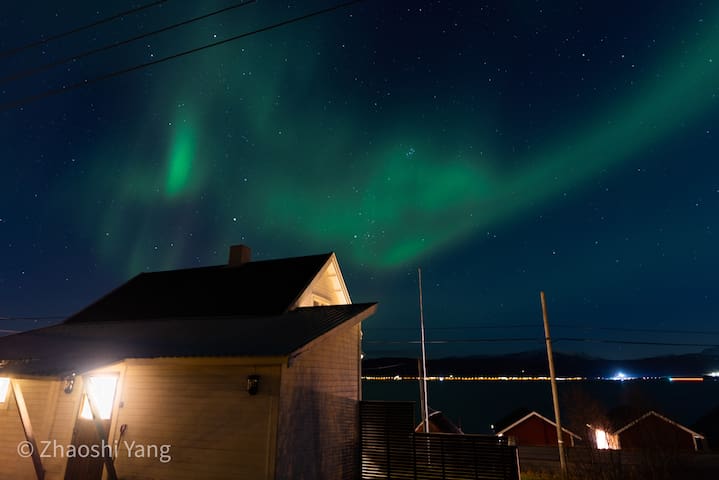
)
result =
(507, 147)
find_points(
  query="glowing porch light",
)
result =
(601, 438)
(4, 387)
(101, 388)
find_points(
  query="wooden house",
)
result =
(648, 431)
(245, 370)
(530, 428)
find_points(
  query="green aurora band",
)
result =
(405, 195)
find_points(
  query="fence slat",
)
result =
(392, 450)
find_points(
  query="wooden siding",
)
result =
(215, 429)
(41, 397)
(318, 431)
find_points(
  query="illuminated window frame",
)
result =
(103, 389)
(4, 390)
(320, 301)
(601, 439)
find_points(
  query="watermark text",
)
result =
(54, 449)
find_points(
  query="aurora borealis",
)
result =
(506, 147)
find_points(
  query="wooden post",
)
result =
(27, 428)
(421, 390)
(553, 381)
(425, 406)
(96, 418)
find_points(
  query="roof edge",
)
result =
(369, 310)
(662, 417)
(537, 414)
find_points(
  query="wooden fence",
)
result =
(392, 450)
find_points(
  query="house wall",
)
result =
(653, 432)
(201, 408)
(318, 432)
(535, 431)
(49, 410)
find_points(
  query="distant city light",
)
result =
(686, 379)
(621, 376)
(713, 374)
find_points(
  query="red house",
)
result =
(529, 428)
(651, 430)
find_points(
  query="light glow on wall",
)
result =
(101, 390)
(4, 387)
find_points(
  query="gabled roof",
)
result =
(620, 416)
(81, 346)
(438, 422)
(662, 417)
(268, 287)
(520, 416)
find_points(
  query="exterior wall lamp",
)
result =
(253, 384)
(69, 383)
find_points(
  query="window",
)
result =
(601, 438)
(4, 388)
(319, 301)
(101, 389)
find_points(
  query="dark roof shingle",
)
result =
(266, 287)
(78, 347)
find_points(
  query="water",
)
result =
(477, 405)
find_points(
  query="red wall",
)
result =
(535, 431)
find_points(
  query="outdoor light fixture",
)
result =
(253, 384)
(69, 383)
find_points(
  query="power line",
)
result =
(448, 341)
(13, 51)
(31, 71)
(460, 327)
(643, 330)
(533, 325)
(635, 342)
(49, 317)
(561, 339)
(116, 73)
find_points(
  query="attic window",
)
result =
(318, 301)
(4, 387)
(101, 389)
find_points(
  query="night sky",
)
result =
(506, 147)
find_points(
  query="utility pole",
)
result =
(425, 407)
(553, 381)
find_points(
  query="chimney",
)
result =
(239, 255)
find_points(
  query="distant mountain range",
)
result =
(534, 363)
